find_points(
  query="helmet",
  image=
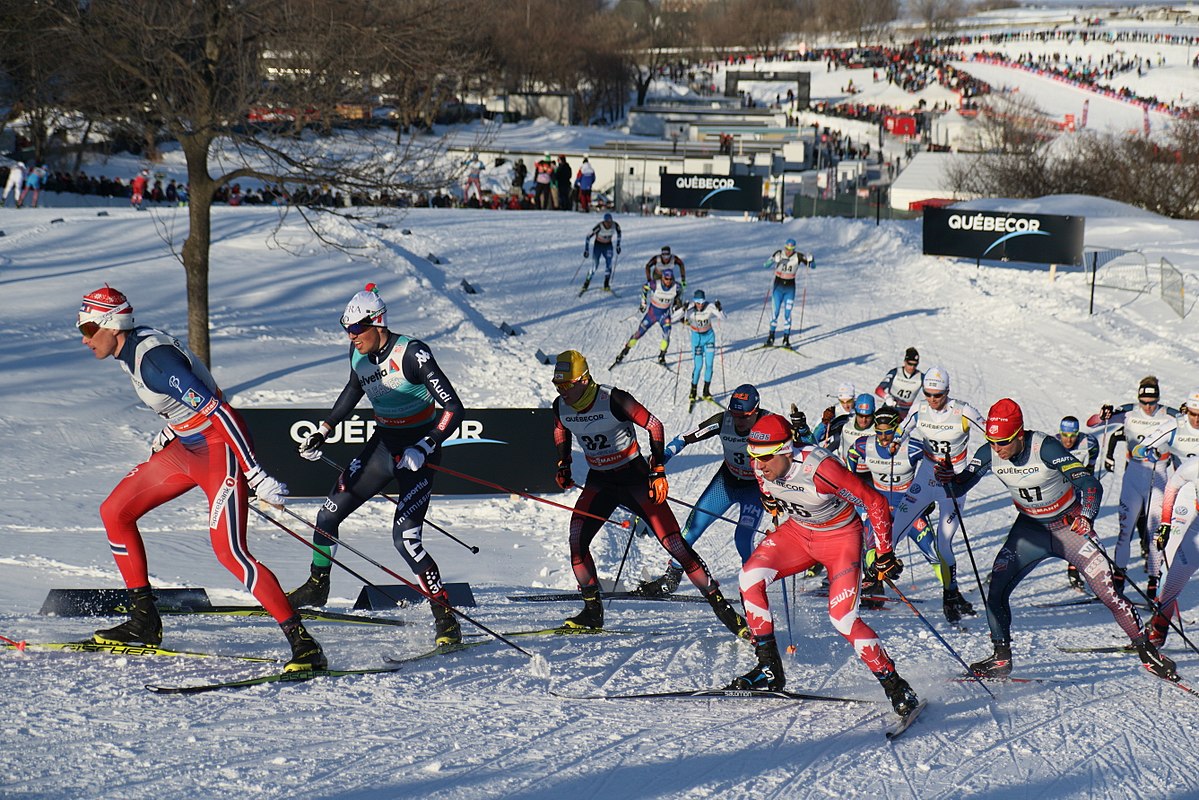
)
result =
(768, 436)
(745, 400)
(668, 273)
(864, 405)
(936, 380)
(700, 297)
(108, 308)
(847, 391)
(886, 419)
(1069, 426)
(790, 244)
(1005, 421)
(367, 308)
(1149, 389)
(607, 217)
(571, 366)
(665, 249)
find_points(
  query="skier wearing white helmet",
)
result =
(942, 425)
(785, 263)
(836, 416)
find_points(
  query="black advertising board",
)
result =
(512, 447)
(722, 192)
(1004, 236)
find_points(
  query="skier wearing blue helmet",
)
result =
(733, 482)
(607, 236)
(785, 263)
(700, 315)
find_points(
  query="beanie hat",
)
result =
(108, 308)
(1004, 421)
(1149, 389)
(768, 436)
(366, 305)
(936, 380)
(571, 366)
(911, 354)
(846, 391)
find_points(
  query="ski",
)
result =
(439, 650)
(562, 630)
(307, 614)
(863, 599)
(905, 722)
(132, 650)
(707, 694)
(1114, 648)
(569, 596)
(690, 404)
(581, 291)
(1068, 603)
(275, 677)
(966, 678)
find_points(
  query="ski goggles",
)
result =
(88, 328)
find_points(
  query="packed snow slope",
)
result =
(484, 722)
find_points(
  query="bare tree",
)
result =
(653, 39)
(197, 67)
(937, 16)
(865, 20)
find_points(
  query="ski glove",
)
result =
(617, 249)
(1162, 538)
(413, 458)
(943, 471)
(586, 252)
(266, 488)
(164, 437)
(563, 478)
(800, 432)
(827, 415)
(772, 507)
(1082, 526)
(658, 486)
(310, 448)
(717, 304)
(1106, 411)
(887, 566)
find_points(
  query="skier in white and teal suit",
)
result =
(699, 316)
(786, 263)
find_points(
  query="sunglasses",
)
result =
(88, 329)
(565, 386)
(358, 328)
(935, 395)
(766, 455)
(1002, 442)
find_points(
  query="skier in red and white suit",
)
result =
(818, 494)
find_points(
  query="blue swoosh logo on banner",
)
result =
(452, 442)
(708, 196)
(1003, 239)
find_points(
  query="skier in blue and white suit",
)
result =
(659, 300)
(699, 316)
(786, 264)
(733, 483)
(604, 233)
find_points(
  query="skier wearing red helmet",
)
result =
(1057, 500)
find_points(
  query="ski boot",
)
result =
(997, 665)
(662, 357)
(663, 586)
(586, 283)
(725, 612)
(770, 339)
(1160, 665)
(607, 286)
(955, 606)
(768, 674)
(1157, 629)
(445, 624)
(1151, 587)
(872, 592)
(707, 390)
(306, 652)
(144, 625)
(787, 340)
(592, 615)
(314, 592)
(1075, 578)
(813, 571)
(624, 351)
(899, 692)
(691, 396)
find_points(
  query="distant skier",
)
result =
(138, 187)
(786, 264)
(699, 315)
(659, 300)
(900, 385)
(733, 483)
(604, 420)
(14, 185)
(474, 178)
(833, 417)
(655, 267)
(1057, 500)
(33, 183)
(604, 233)
(1084, 447)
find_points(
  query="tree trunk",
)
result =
(201, 188)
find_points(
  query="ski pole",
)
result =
(802, 303)
(415, 587)
(697, 508)
(430, 523)
(957, 509)
(940, 638)
(628, 546)
(624, 524)
(19, 645)
(787, 611)
(762, 313)
(575, 277)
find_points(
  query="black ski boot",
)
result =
(997, 665)
(448, 631)
(955, 606)
(1151, 587)
(787, 340)
(769, 672)
(707, 390)
(770, 339)
(586, 283)
(144, 625)
(899, 692)
(624, 351)
(725, 612)
(872, 592)
(313, 592)
(1157, 629)
(306, 652)
(663, 586)
(592, 615)
(607, 286)
(1160, 665)
(662, 357)
(1075, 578)
(691, 396)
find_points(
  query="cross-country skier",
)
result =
(604, 420)
(786, 264)
(205, 443)
(808, 484)
(604, 233)
(901, 384)
(1146, 471)
(1057, 500)
(942, 425)
(1084, 447)
(833, 417)
(474, 175)
(733, 482)
(404, 385)
(853, 428)
(699, 315)
(138, 187)
(655, 268)
(659, 300)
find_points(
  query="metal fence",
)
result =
(1174, 288)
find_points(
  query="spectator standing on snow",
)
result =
(562, 178)
(585, 180)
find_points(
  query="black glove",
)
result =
(943, 471)
(772, 507)
(617, 249)
(800, 432)
(717, 304)
(1106, 411)
(887, 566)
(586, 252)
(1163, 536)
(563, 478)
(310, 448)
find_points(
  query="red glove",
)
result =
(1082, 526)
(563, 478)
(827, 416)
(658, 486)
(943, 470)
